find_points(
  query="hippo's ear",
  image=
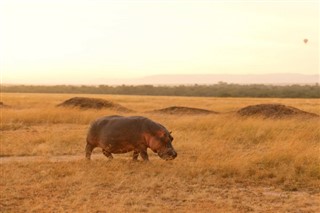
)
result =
(170, 132)
(170, 136)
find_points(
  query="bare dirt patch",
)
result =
(32, 159)
(93, 103)
(273, 111)
(183, 110)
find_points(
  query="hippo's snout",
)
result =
(169, 155)
(173, 156)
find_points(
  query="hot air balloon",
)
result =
(305, 40)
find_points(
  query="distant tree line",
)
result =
(216, 90)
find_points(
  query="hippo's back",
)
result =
(115, 128)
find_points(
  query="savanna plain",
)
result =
(226, 162)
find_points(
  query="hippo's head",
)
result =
(161, 144)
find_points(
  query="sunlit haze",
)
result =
(87, 42)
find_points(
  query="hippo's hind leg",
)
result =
(107, 154)
(89, 149)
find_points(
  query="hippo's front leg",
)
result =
(135, 155)
(144, 155)
(107, 154)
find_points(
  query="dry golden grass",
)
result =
(226, 163)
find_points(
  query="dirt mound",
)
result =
(273, 111)
(183, 110)
(92, 103)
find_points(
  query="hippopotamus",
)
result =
(118, 134)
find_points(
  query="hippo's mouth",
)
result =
(169, 158)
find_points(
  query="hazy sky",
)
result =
(81, 41)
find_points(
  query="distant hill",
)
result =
(276, 79)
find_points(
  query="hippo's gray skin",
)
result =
(118, 134)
